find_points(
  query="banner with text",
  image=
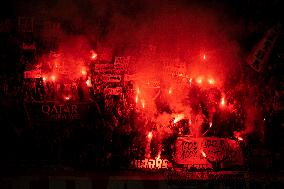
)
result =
(113, 91)
(32, 74)
(260, 54)
(103, 68)
(111, 78)
(207, 151)
(56, 111)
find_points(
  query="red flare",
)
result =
(211, 81)
(178, 118)
(203, 153)
(83, 71)
(94, 55)
(240, 138)
(223, 101)
(143, 103)
(199, 80)
(150, 135)
(53, 78)
(89, 83)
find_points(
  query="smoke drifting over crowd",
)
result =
(172, 86)
(156, 33)
(201, 36)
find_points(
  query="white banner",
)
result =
(151, 163)
(207, 150)
(113, 91)
(122, 64)
(102, 68)
(122, 60)
(111, 78)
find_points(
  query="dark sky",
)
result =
(257, 9)
(123, 16)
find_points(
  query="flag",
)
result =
(258, 58)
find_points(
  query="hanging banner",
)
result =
(103, 68)
(111, 78)
(207, 151)
(31, 46)
(32, 74)
(122, 64)
(113, 91)
(258, 58)
(151, 163)
(25, 24)
(122, 60)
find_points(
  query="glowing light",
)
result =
(210, 124)
(83, 71)
(150, 135)
(170, 91)
(44, 78)
(53, 78)
(237, 136)
(223, 101)
(190, 81)
(211, 81)
(203, 153)
(136, 99)
(178, 118)
(94, 55)
(204, 57)
(199, 80)
(67, 98)
(89, 83)
(143, 103)
(138, 91)
(240, 138)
